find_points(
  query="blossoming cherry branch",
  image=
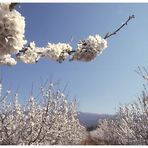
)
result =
(12, 42)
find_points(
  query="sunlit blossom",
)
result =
(89, 48)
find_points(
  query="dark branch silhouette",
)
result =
(110, 34)
(12, 6)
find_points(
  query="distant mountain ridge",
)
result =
(91, 119)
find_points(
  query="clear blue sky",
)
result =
(101, 85)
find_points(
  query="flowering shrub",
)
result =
(53, 121)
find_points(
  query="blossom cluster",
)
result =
(89, 48)
(58, 52)
(12, 29)
(31, 54)
(51, 121)
(7, 60)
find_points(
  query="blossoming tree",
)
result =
(130, 126)
(12, 41)
(53, 121)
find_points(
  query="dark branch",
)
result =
(12, 6)
(110, 34)
(38, 135)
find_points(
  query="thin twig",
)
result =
(142, 72)
(110, 34)
(113, 33)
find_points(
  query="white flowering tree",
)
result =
(53, 121)
(130, 126)
(13, 42)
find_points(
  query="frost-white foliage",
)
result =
(89, 48)
(12, 29)
(53, 121)
(130, 127)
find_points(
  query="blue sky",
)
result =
(100, 85)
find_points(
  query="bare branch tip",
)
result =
(132, 16)
(115, 32)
